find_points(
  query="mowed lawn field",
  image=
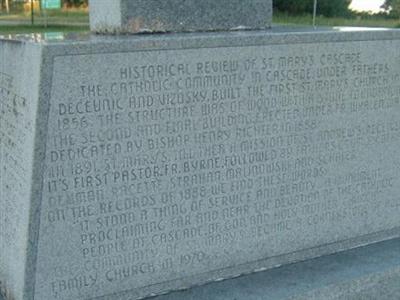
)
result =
(75, 20)
(71, 20)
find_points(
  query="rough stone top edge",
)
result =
(277, 35)
(124, 30)
(357, 33)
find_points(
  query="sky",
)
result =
(366, 5)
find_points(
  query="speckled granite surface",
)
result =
(367, 273)
(178, 16)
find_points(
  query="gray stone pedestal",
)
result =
(133, 16)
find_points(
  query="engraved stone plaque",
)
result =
(164, 164)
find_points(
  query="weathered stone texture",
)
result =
(133, 16)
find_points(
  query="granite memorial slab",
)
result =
(132, 16)
(135, 166)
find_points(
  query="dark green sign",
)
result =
(51, 4)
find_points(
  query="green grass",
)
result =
(281, 18)
(78, 17)
(71, 20)
(16, 29)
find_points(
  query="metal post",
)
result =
(32, 11)
(45, 18)
(315, 14)
(7, 7)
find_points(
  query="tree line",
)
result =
(393, 6)
(330, 8)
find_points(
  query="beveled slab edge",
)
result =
(370, 272)
(267, 265)
(21, 65)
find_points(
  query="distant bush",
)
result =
(327, 8)
(77, 2)
(393, 6)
